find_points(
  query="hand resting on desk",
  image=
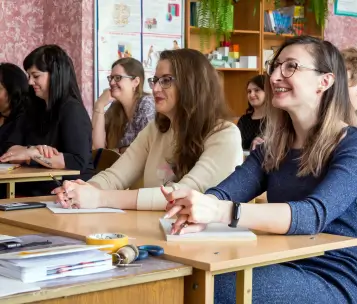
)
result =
(78, 194)
(194, 209)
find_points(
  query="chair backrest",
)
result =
(104, 158)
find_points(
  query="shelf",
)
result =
(270, 35)
(195, 29)
(237, 70)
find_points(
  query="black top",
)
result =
(249, 129)
(69, 130)
(7, 129)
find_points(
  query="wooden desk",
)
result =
(28, 174)
(150, 284)
(207, 259)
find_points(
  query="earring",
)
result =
(320, 88)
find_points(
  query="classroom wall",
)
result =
(341, 30)
(27, 24)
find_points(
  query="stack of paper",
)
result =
(50, 263)
(8, 167)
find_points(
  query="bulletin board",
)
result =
(346, 8)
(135, 28)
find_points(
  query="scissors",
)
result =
(146, 250)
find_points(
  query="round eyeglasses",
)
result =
(117, 78)
(164, 81)
(287, 67)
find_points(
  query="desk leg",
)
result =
(244, 286)
(199, 287)
(10, 190)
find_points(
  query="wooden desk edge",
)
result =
(93, 286)
(273, 258)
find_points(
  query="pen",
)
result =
(59, 184)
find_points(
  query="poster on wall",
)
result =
(135, 28)
(346, 8)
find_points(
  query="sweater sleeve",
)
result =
(130, 166)
(222, 153)
(246, 182)
(334, 194)
(76, 132)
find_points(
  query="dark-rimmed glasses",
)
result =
(287, 67)
(117, 78)
(164, 81)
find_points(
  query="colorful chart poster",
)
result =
(137, 28)
(119, 16)
(163, 17)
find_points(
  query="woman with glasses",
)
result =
(191, 143)
(251, 124)
(56, 130)
(307, 165)
(130, 111)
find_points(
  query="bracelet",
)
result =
(95, 110)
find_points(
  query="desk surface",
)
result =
(144, 227)
(153, 269)
(26, 172)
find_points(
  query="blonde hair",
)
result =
(350, 57)
(334, 107)
(115, 117)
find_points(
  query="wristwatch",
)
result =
(235, 215)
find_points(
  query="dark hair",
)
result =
(115, 117)
(259, 81)
(15, 81)
(63, 83)
(201, 108)
(334, 107)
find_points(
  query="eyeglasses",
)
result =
(164, 81)
(117, 78)
(287, 68)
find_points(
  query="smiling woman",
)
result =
(56, 130)
(191, 143)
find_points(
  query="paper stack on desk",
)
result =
(51, 263)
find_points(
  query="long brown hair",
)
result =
(200, 110)
(115, 117)
(334, 107)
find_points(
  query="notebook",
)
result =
(8, 167)
(56, 208)
(213, 232)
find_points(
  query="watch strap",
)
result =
(235, 215)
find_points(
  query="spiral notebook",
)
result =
(213, 232)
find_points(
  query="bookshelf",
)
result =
(248, 32)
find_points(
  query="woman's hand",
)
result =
(194, 208)
(256, 141)
(18, 154)
(103, 100)
(47, 151)
(78, 194)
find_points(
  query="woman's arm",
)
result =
(329, 200)
(98, 120)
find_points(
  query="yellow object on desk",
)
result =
(118, 240)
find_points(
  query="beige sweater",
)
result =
(147, 156)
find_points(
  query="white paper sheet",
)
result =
(56, 208)
(11, 287)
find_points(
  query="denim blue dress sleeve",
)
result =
(326, 203)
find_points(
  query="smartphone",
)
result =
(21, 206)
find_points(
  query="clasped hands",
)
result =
(20, 154)
(193, 209)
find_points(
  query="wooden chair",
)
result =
(103, 159)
